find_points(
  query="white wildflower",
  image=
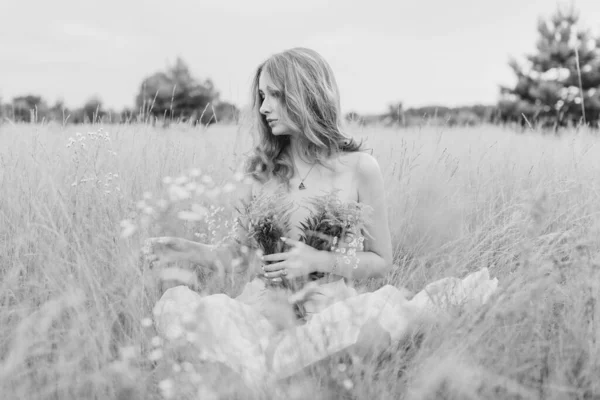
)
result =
(198, 209)
(147, 322)
(174, 331)
(155, 355)
(127, 228)
(191, 337)
(238, 176)
(214, 193)
(189, 216)
(228, 188)
(162, 204)
(166, 388)
(199, 190)
(177, 193)
(127, 352)
(182, 180)
(205, 393)
(195, 172)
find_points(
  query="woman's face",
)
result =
(272, 107)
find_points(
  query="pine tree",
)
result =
(550, 83)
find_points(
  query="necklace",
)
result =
(301, 186)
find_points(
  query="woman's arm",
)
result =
(165, 250)
(376, 259)
(208, 255)
(211, 255)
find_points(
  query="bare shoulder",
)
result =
(365, 172)
(359, 162)
(367, 166)
(363, 165)
(369, 179)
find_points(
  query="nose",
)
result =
(265, 108)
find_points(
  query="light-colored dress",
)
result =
(237, 333)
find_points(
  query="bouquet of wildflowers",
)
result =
(263, 221)
(335, 226)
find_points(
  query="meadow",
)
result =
(74, 295)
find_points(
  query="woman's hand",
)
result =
(299, 261)
(160, 251)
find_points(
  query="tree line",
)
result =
(556, 86)
(165, 96)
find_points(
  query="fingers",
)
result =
(147, 253)
(156, 264)
(150, 249)
(276, 257)
(152, 243)
(273, 267)
(274, 271)
(285, 255)
(151, 258)
(147, 247)
(276, 274)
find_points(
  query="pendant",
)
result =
(301, 186)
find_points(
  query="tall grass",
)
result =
(73, 295)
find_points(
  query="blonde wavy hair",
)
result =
(312, 102)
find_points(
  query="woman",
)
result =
(302, 154)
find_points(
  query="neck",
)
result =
(296, 150)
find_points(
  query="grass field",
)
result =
(525, 205)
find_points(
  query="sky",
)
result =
(423, 52)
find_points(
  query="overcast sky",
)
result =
(446, 52)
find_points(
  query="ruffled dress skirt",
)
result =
(239, 333)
